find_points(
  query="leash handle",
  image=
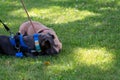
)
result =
(5, 26)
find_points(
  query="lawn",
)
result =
(88, 29)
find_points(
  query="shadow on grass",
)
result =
(100, 31)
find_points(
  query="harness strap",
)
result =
(22, 44)
(12, 40)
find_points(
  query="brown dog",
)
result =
(27, 29)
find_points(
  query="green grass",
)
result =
(89, 31)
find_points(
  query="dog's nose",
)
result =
(55, 52)
(52, 51)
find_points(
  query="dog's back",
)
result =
(5, 46)
(27, 28)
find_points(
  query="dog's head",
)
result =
(47, 44)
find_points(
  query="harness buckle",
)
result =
(19, 54)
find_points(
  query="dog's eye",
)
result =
(53, 36)
(47, 44)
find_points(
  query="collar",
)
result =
(36, 40)
(43, 30)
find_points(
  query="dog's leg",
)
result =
(29, 55)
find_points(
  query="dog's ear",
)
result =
(18, 33)
(25, 34)
(52, 35)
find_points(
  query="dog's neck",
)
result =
(29, 41)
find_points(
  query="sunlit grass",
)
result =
(118, 3)
(19, 12)
(97, 56)
(56, 14)
(60, 15)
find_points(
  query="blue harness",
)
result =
(24, 46)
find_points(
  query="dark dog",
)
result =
(27, 29)
(45, 42)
